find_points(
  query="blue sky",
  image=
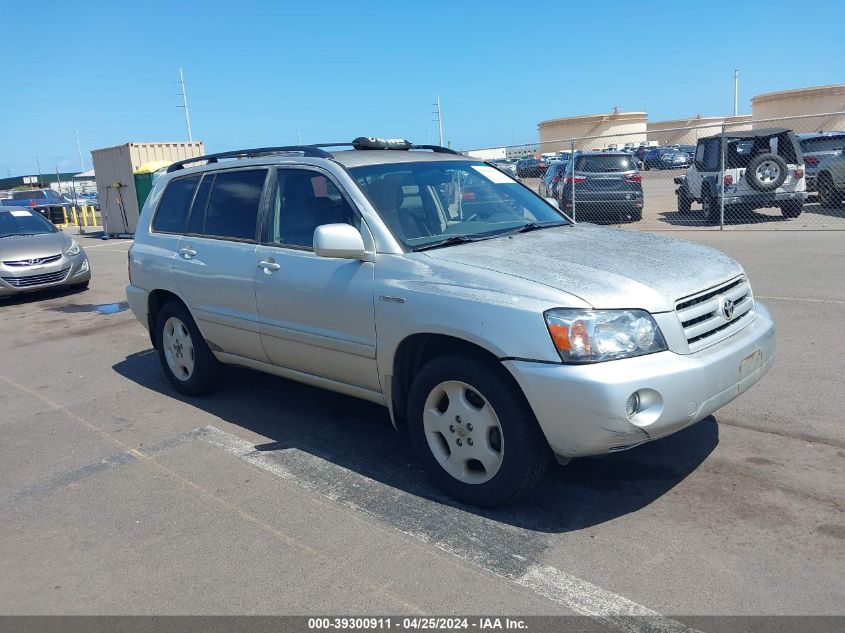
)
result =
(260, 73)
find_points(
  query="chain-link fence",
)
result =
(786, 173)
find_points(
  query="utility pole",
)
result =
(439, 119)
(185, 104)
(79, 148)
(38, 162)
(736, 91)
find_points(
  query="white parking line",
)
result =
(329, 480)
(836, 301)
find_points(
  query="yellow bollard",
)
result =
(64, 216)
(75, 216)
(84, 215)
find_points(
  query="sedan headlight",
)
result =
(74, 248)
(593, 336)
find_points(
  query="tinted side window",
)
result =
(304, 200)
(233, 206)
(196, 224)
(172, 213)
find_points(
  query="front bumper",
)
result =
(70, 270)
(581, 408)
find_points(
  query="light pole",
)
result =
(79, 148)
(185, 105)
(736, 91)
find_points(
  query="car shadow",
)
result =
(41, 295)
(694, 218)
(359, 436)
(819, 209)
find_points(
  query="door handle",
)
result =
(268, 266)
(187, 252)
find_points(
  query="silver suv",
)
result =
(497, 333)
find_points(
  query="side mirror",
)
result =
(554, 203)
(341, 241)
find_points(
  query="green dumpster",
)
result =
(145, 177)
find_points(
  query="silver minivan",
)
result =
(498, 333)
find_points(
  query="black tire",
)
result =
(710, 207)
(206, 368)
(755, 179)
(829, 196)
(792, 209)
(684, 200)
(525, 452)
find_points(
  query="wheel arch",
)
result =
(155, 302)
(415, 350)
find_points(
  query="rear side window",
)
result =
(233, 205)
(823, 144)
(172, 213)
(605, 163)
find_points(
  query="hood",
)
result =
(607, 268)
(32, 246)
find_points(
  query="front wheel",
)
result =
(474, 431)
(183, 353)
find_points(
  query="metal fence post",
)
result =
(572, 160)
(722, 179)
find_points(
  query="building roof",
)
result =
(813, 91)
(590, 118)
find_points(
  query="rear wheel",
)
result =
(710, 207)
(829, 196)
(474, 432)
(792, 209)
(183, 353)
(684, 200)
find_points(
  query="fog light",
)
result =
(632, 405)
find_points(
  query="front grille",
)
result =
(37, 280)
(37, 261)
(702, 315)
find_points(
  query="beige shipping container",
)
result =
(114, 167)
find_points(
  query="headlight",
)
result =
(593, 336)
(74, 248)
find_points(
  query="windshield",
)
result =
(428, 202)
(23, 222)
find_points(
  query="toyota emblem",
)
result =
(728, 308)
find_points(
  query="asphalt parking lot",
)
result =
(118, 496)
(660, 209)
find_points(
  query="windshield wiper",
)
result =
(533, 226)
(452, 239)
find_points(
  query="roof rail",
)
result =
(305, 150)
(438, 149)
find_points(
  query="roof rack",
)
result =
(313, 151)
(438, 149)
(305, 150)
